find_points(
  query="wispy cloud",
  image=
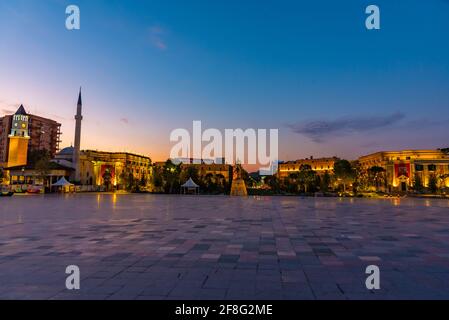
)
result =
(156, 35)
(8, 107)
(319, 130)
(425, 123)
(124, 120)
(7, 111)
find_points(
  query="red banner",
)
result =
(402, 169)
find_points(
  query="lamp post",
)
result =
(23, 176)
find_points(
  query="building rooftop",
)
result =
(311, 159)
(52, 166)
(66, 151)
(21, 111)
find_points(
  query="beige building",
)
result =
(401, 167)
(320, 165)
(100, 168)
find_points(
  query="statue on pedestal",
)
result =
(238, 187)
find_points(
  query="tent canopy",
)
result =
(190, 184)
(62, 183)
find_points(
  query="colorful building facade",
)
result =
(114, 169)
(402, 168)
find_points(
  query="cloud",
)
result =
(124, 120)
(425, 123)
(156, 34)
(319, 130)
(7, 107)
(7, 111)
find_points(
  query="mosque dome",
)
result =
(66, 151)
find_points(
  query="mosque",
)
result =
(94, 169)
(90, 170)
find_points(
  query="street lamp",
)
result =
(23, 175)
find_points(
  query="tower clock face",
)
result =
(20, 125)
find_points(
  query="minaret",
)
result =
(76, 151)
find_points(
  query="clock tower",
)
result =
(18, 139)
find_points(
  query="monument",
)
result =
(238, 187)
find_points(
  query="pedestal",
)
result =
(238, 188)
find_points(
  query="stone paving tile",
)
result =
(173, 247)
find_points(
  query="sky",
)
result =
(308, 68)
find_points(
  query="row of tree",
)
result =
(126, 181)
(346, 175)
(170, 177)
(434, 184)
(307, 180)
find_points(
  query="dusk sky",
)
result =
(310, 69)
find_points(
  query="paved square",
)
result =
(185, 247)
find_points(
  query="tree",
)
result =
(433, 183)
(273, 183)
(344, 173)
(43, 166)
(130, 182)
(190, 172)
(107, 178)
(417, 183)
(143, 182)
(220, 181)
(158, 179)
(325, 182)
(122, 179)
(292, 183)
(171, 176)
(377, 176)
(443, 178)
(307, 178)
(34, 156)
